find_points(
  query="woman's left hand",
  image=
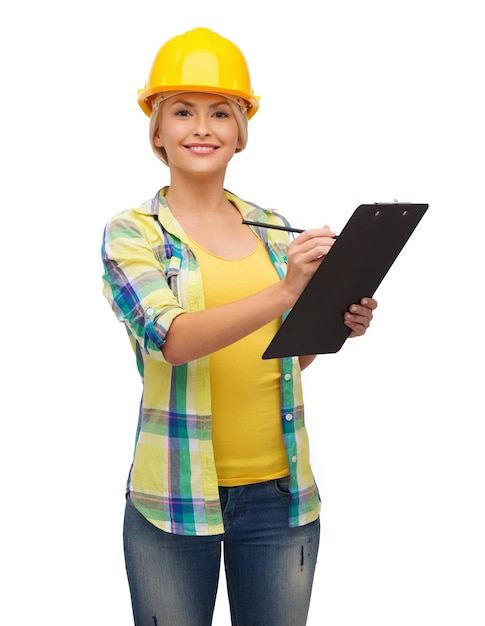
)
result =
(359, 316)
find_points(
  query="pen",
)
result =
(277, 227)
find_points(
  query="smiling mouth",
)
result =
(201, 149)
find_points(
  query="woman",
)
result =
(221, 453)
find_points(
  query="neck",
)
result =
(195, 196)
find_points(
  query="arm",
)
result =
(196, 334)
(135, 281)
(137, 287)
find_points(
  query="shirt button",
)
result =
(149, 311)
(293, 458)
(287, 376)
(288, 417)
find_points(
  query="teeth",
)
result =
(201, 148)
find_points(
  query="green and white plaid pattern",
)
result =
(150, 277)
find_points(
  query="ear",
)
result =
(157, 140)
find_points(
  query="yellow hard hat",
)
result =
(199, 60)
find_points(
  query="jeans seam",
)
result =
(240, 513)
(233, 596)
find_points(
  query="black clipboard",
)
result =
(361, 256)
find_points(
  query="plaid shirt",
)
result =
(150, 277)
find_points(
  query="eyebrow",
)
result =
(188, 103)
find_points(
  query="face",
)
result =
(198, 131)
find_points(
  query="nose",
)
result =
(201, 127)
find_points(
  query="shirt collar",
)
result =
(252, 212)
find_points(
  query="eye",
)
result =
(182, 113)
(221, 114)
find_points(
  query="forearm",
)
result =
(306, 360)
(199, 333)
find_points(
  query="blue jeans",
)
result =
(269, 567)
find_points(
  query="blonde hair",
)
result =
(238, 106)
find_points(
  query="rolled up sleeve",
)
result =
(136, 285)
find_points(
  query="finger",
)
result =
(358, 329)
(357, 320)
(357, 310)
(317, 245)
(329, 231)
(369, 303)
(326, 231)
(321, 251)
(359, 317)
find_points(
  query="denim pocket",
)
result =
(282, 485)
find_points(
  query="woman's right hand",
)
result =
(305, 254)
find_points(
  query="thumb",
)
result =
(329, 230)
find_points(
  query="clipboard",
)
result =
(357, 263)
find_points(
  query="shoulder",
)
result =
(141, 217)
(126, 221)
(131, 226)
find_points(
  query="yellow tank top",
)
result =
(245, 389)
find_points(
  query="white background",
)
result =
(360, 102)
